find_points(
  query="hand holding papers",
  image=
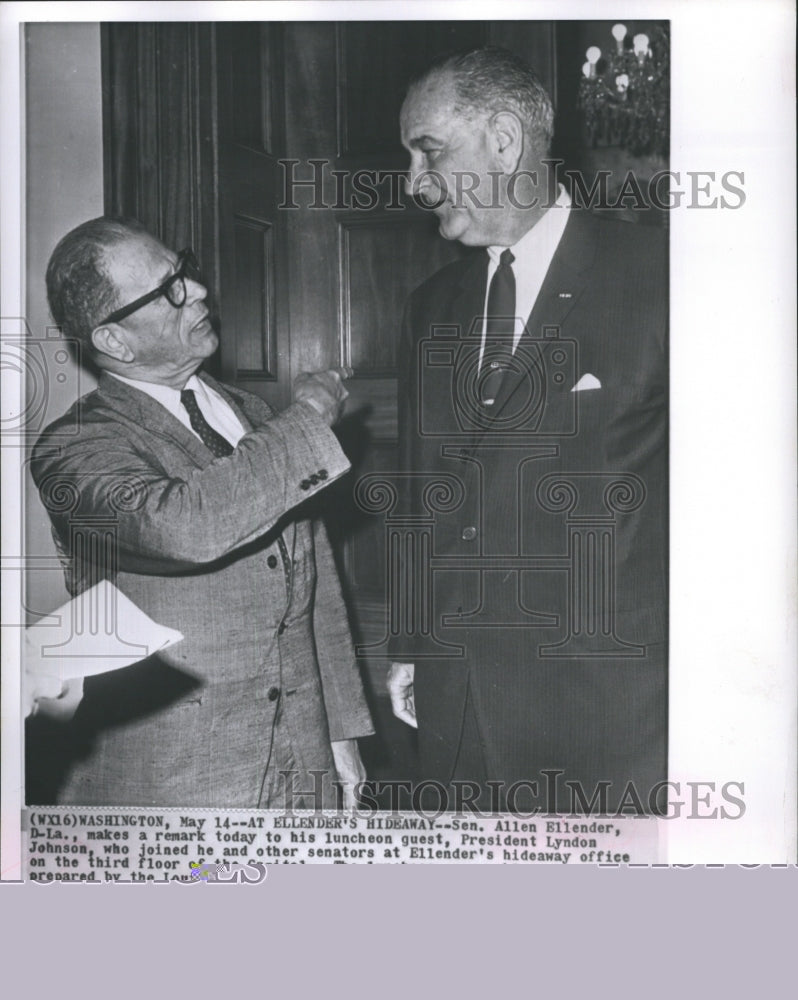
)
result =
(41, 692)
(97, 631)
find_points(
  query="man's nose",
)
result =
(195, 290)
(418, 180)
(425, 184)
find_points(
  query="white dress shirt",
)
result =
(533, 255)
(216, 410)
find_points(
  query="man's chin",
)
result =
(205, 336)
(457, 225)
(452, 227)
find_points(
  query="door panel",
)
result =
(253, 312)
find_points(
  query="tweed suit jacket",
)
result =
(193, 541)
(557, 622)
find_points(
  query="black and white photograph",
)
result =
(354, 414)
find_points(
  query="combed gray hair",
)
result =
(491, 79)
(79, 292)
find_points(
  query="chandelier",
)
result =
(624, 93)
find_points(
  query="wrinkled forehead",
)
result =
(139, 257)
(430, 103)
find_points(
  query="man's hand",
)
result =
(349, 766)
(43, 695)
(400, 688)
(324, 391)
(35, 687)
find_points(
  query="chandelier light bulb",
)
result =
(623, 95)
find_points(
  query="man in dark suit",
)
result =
(535, 396)
(190, 496)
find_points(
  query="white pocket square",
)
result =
(586, 382)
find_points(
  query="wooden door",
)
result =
(210, 132)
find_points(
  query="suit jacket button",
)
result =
(274, 694)
(469, 534)
(271, 562)
(322, 474)
(314, 479)
(281, 628)
(305, 484)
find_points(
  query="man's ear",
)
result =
(112, 341)
(508, 137)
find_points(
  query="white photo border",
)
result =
(733, 689)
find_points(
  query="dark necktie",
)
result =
(214, 441)
(499, 328)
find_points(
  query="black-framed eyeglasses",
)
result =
(173, 289)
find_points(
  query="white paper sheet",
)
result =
(98, 631)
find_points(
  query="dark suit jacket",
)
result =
(192, 540)
(548, 569)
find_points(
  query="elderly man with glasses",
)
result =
(190, 496)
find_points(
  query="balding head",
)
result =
(79, 289)
(490, 80)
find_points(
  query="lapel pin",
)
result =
(565, 295)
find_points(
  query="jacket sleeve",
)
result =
(161, 523)
(347, 711)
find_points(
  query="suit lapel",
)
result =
(250, 410)
(454, 325)
(567, 275)
(469, 306)
(468, 310)
(148, 412)
(564, 282)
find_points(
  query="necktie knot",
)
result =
(506, 258)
